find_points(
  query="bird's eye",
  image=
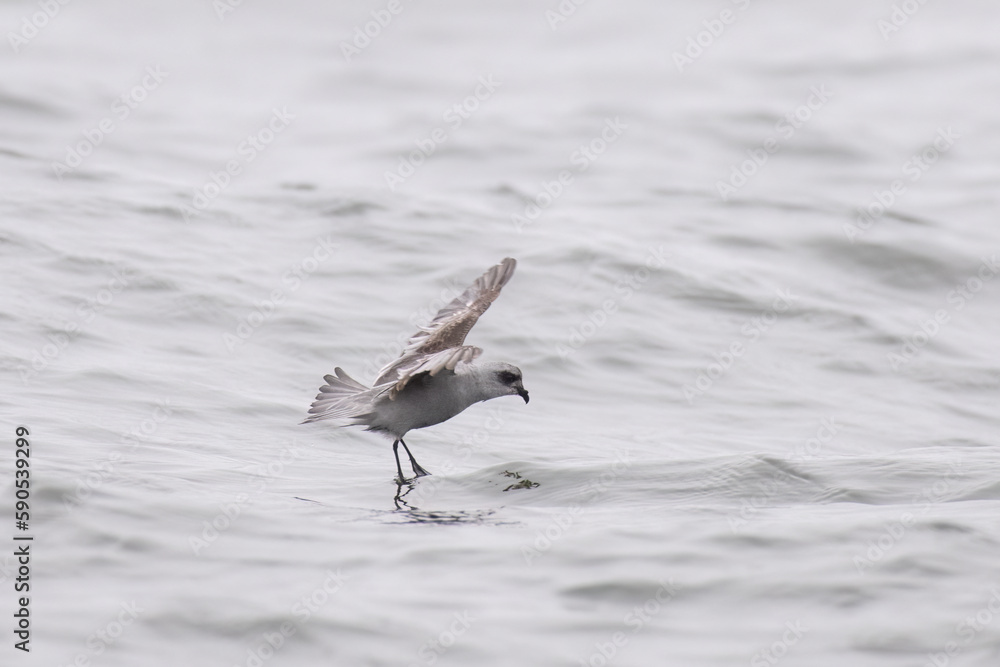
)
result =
(506, 377)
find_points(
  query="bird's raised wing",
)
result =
(439, 345)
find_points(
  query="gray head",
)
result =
(502, 379)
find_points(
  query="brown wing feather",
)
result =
(448, 330)
(445, 360)
(452, 323)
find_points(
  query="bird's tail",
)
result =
(342, 397)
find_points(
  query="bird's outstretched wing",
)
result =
(439, 345)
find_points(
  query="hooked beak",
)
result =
(523, 393)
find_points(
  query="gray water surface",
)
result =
(756, 307)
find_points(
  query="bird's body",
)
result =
(433, 380)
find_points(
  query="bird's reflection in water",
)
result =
(408, 513)
(400, 501)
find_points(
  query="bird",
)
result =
(435, 378)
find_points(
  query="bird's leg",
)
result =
(417, 469)
(395, 451)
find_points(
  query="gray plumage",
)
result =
(434, 378)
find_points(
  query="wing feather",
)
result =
(444, 361)
(439, 345)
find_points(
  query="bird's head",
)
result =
(507, 380)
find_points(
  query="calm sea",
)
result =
(756, 307)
